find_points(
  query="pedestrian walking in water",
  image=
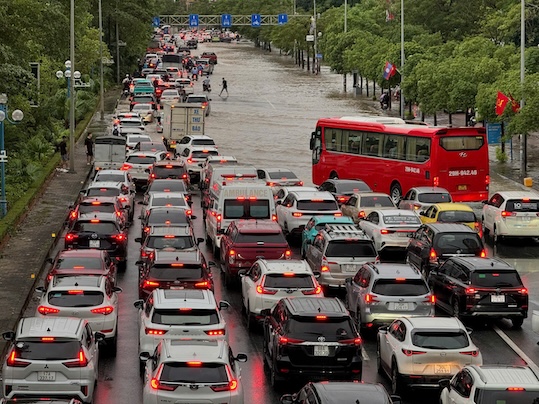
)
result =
(89, 143)
(224, 86)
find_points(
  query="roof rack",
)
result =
(342, 229)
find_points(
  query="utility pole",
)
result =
(72, 91)
(345, 30)
(101, 88)
(402, 60)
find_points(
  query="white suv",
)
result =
(491, 384)
(420, 351)
(189, 141)
(186, 370)
(51, 356)
(185, 313)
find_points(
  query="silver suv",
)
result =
(380, 293)
(337, 252)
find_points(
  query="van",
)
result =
(109, 152)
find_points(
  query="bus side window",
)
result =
(372, 144)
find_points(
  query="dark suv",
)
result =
(433, 243)
(167, 169)
(480, 287)
(313, 338)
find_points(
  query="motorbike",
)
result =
(206, 87)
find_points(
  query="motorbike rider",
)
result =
(126, 82)
(384, 100)
(206, 84)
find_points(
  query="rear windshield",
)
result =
(99, 228)
(317, 205)
(79, 263)
(401, 219)
(167, 186)
(150, 146)
(459, 243)
(309, 329)
(76, 298)
(110, 177)
(261, 238)
(519, 205)
(183, 373)
(196, 99)
(394, 287)
(165, 272)
(143, 99)
(131, 124)
(176, 201)
(351, 187)
(141, 160)
(204, 154)
(185, 317)
(351, 248)
(456, 216)
(376, 202)
(103, 192)
(167, 217)
(246, 209)
(434, 197)
(282, 175)
(289, 281)
(102, 207)
(503, 396)
(440, 339)
(137, 139)
(459, 143)
(491, 279)
(172, 172)
(50, 350)
(170, 93)
(203, 142)
(177, 242)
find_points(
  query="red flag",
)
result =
(515, 105)
(501, 102)
(389, 71)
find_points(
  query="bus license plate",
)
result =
(462, 187)
(46, 376)
(497, 298)
(439, 369)
(321, 350)
(94, 244)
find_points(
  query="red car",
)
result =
(247, 240)
(209, 55)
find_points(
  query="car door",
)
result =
(227, 241)
(350, 208)
(393, 342)
(369, 225)
(249, 283)
(314, 253)
(461, 388)
(491, 210)
(89, 342)
(415, 246)
(439, 282)
(283, 210)
(428, 215)
(353, 290)
(272, 328)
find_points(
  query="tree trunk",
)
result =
(435, 120)
(367, 86)
(361, 84)
(450, 118)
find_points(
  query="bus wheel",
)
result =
(333, 176)
(395, 192)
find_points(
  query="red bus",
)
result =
(393, 156)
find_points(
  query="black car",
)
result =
(166, 169)
(142, 99)
(480, 287)
(99, 233)
(313, 338)
(342, 190)
(433, 243)
(329, 392)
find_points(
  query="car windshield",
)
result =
(130, 123)
(151, 146)
(459, 243)
(261, 238)
(402, 219)
(440, 339)
(110, 177)
(177, 242)
(79, 263)
(196, 99)
(185, 316)
(76, 298)
(282, 175)
(96, 227)
(456, 216)
(167, 186)
(434, 197)
(505, 396)
(376, 202)
(493, 279)
(203, 142)
(289, 281)
(167, 272)
(174, 372)
(173, 201)
(174, 172)
(204, 154)
(136, 139)
(246, 209)
(47, 351)
(397, 287)
(309, 328)
(318, 205)
(351, 248)
(167, 217)
(522, 205)
(85, 208)
(148, 160)
(103, 192)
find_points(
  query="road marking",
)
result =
(515, 348)
(269, 102)
(364, 354)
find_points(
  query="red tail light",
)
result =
(126, 167)
(73, 215)
(80, 362)
(214, 333)
(436, 181)
(470, 291)
(120, 237)
(432, 255)
(150, 284)
(263, 291)
(370, 298)
(487, 179)
(202, 285)
(523, 291)
(409, 352)
(103, 310)
(324, 268)
(14, 362)
(483, 253)
(470, 353)
(507, 214)
(287, 340)
(231, 386)
(71, 236)
(385, 231)
(270, 184)
(337, 214)
(341, 199)
(189, 161)
(274, 218)
(361, 214)
(297, 214)
(288, 254)
(353, 341)
(153, 331)
(314, 291)
(156, 385)
(515, 389)
(47, 310)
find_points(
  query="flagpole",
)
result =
(524, 142)
(402, 59)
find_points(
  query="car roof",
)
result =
(87, 253)
(177, 257)
(309, 306)
(506, 375)
(334, 392)
(60, 327)
(184, 350)
(518, 194)
(430, 190)
(393, 270)
(299, 188)
(174, 230)
(431, 323)
(106, 184)
(313, 195)
(395, 212)
(110, 172)
(258, 226)
(478, 264)
(445, 206)
(370, 194)
(100, 199)
(283, 266)
(450, 228)
(186, 298)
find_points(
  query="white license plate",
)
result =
(94, 243)
(349, 268)
(407, 235)
(525, 218)
(321, 350)
(402, 306)
(497, 298)
(442, 369)
(177, 288)
(46, 376)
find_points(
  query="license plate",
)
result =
(525, 218)
(46, 376)
(321, 350)
(401, 306)
(438, 369)
(497, 298)
(94, 243)
(462, 187)
(177, 288)
(349, 268)
(407, 235)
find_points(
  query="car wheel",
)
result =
(379, 359)
(456, 307)
(517, 322)
(496, 238)
(141, 368)
(208, 240)
(396, 380)
(122, 265)
(249, 320)
(484, 228)
(113, 346)
(395, 192)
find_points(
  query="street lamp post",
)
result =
(524, 143)
(17, 116)
(401, 95)
(101, 87)
(345, 29)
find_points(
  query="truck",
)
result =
(180, 120)
(109, 152)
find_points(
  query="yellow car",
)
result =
(450, 213)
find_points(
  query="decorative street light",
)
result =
(16, 116)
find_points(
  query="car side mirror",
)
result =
(144, 356)
(221, 231)
(348, 281)
(484, 202)
(395, 399)
(265, 312)
(200, 240)
(212, 264)
(242, 272)
(117, 289)
(139, 304)
(382, 330)
(99, 336)
(422, 213)
(138, 240)
(141, 203)
(279, 203)
(139, 262)
(49, 260)
(287, 399)
(8, 335)
(445, 383)
(40, 289)
(241, 357)
(223, 305)
(147, 171)
(469, 330)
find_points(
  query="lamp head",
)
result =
(76, 74)
(3, 98)
(2, 116)
(59, 74)
(67, 73)
(17, 115)
(68, 64)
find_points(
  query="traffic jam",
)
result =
(192, 252)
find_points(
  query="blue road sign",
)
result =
(256, 20)
(193, 20)
(283, 19)
(156, 21)
(226, 20)
(494, 133)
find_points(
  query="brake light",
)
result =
(470, 291)
(120, 237)
(286, 340)
(416, 207)
(436, 181)
(47, 339)
(314, 291)
(507, 214)
(432, 255)
(324, 268)
(270, 184)
(487, 179)
(153, 331)
(126, 167)
(204, 284)
(470, 353)
(214, 333)
(274, 218)
(218, 217)
(297, 214)
(361, 214)
(321, 317)
(71, 236)
(341, 199)
(103, 310)
(263, 291)
(189, 161)
(515, 389)
(14, 362)
(353, 341)
(432, 299)
(288, 254)
(75, 292)
(151, 284)
(523, 291)
(80, 362)
(409, 352)
(154, 383)
(483, 253)
(47, 310)
(370, 298)
(385, 231)
(73, 215)
(147, 229)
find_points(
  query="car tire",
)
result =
(484, 228)
(249, 320)
(517, 322)
(275, 380)
(141, 368)
(208, 240)
(396, 379)
(455, 306)
(113, 346)
(122, 265)
(395, 192)
(379, 358)
(496, 238)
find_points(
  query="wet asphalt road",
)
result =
(266, 120)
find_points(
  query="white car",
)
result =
(189, 141)
(184, 85)
(298, 207)
(137, 163)
(115, 176)
(268, 281)
(170, 95)
(278, 177)
(390, 229)
(131, 123)
(362, 203)
(511, 214)
(132, 139)
(56, 356)
(167, 199)
(185, 370)
(282, 192)
(420, 198)
(193, 156)
(188, 313)
(117, 189)
(145, 111)
(90, 297)
(421, 351)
